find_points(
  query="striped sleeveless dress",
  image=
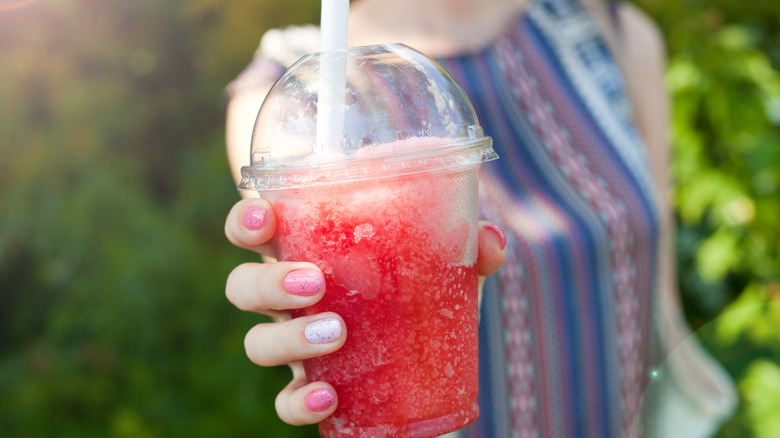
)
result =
(566, 329)
(566, 325)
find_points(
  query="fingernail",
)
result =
(501, 235)
(253, 218)
(304, 282)
(319, 400)
(323, 331)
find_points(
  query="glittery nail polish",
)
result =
(304, 282)
(319, 400)
(323, 331)
(253, 218)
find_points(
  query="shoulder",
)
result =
(278, 49)
(639, 35)
(287, 45)
(639, 49)
(641, 52)
(632, 34)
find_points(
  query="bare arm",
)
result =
(639, 49)
(644, 62)
(241, 112)
(643, 59)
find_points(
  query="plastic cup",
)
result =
(388, 210)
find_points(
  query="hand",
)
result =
(273, 288)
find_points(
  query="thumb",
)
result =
(492, 248)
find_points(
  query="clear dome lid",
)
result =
(391, 111)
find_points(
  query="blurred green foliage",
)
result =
(724, 79)
(114, 187)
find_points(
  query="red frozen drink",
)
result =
(389, 213)
(399, 258)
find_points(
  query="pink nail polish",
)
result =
(254, 217)
(501, 235)
(323, 331)
(319, 400)
(305, 282)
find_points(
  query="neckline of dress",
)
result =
(513, 27)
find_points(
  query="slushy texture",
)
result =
(399, 258)
(378, 187)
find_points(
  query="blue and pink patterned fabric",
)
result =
(566, 326)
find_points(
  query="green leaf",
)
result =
(717, 255)
(739, 316)
(761, 391)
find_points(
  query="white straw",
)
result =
(333, 66)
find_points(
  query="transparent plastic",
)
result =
(392, 93)
(371, 166)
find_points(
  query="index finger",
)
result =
(251, 225)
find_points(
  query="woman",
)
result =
(572, 94)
